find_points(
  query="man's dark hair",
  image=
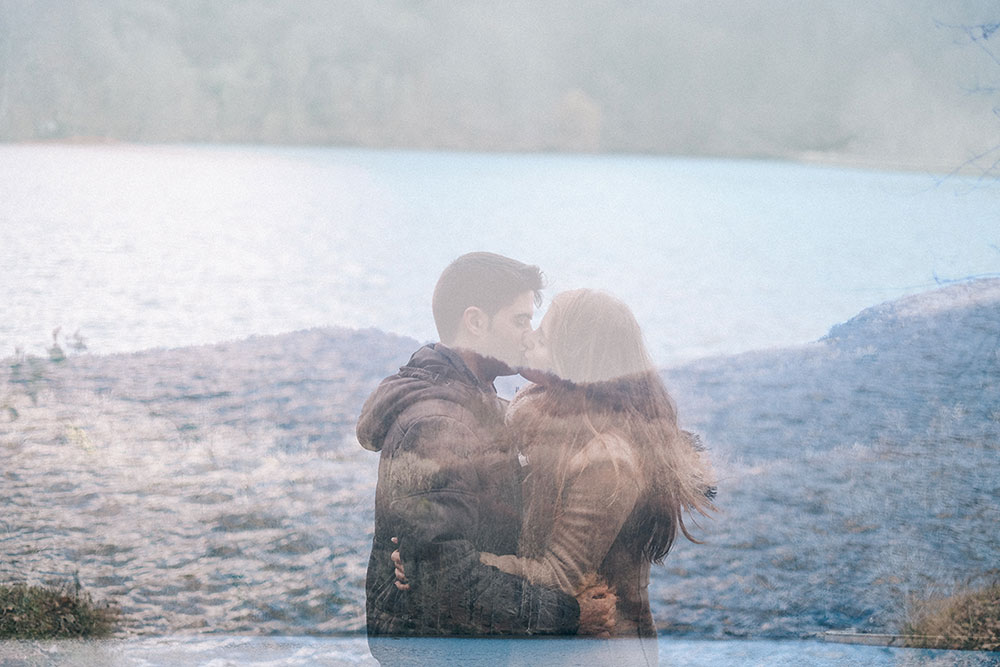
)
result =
(485, 280)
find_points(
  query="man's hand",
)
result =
(397, 560)
(597, 609)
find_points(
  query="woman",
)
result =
(610, 475)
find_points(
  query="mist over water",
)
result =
(138, 247)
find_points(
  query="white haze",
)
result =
(891, 83)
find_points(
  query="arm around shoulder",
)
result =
(436, 513)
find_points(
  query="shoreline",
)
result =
(805, 158)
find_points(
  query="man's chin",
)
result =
(508, 365)
(537, 375)
(495, 367)
(502, 368)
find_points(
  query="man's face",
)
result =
(508, 330)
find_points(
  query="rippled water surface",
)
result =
(147, 246)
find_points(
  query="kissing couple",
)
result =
(540, 516)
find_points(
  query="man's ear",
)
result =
(475, 321)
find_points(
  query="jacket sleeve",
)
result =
(595, 505)
(437, 513)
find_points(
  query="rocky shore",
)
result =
(220, 488)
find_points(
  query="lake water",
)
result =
(160, 246)
(236, 650)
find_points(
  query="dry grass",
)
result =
(969, 619)
(52, 612)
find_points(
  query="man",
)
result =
(449, 483)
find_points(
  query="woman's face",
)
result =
(539, 354)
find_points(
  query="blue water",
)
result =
(236, 650)
(160, 246)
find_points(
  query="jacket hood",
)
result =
(434, 372)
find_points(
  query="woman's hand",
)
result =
(397, 560)
(597, 609)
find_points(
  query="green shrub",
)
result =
(50, 612)
(969, 619)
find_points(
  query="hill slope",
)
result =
(220, 488)
(856, 471)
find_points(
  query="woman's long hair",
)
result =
(604, 382)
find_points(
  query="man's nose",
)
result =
(528, 340)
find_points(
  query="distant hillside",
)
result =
(894, 83)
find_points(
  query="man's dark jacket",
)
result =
(448, 487)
